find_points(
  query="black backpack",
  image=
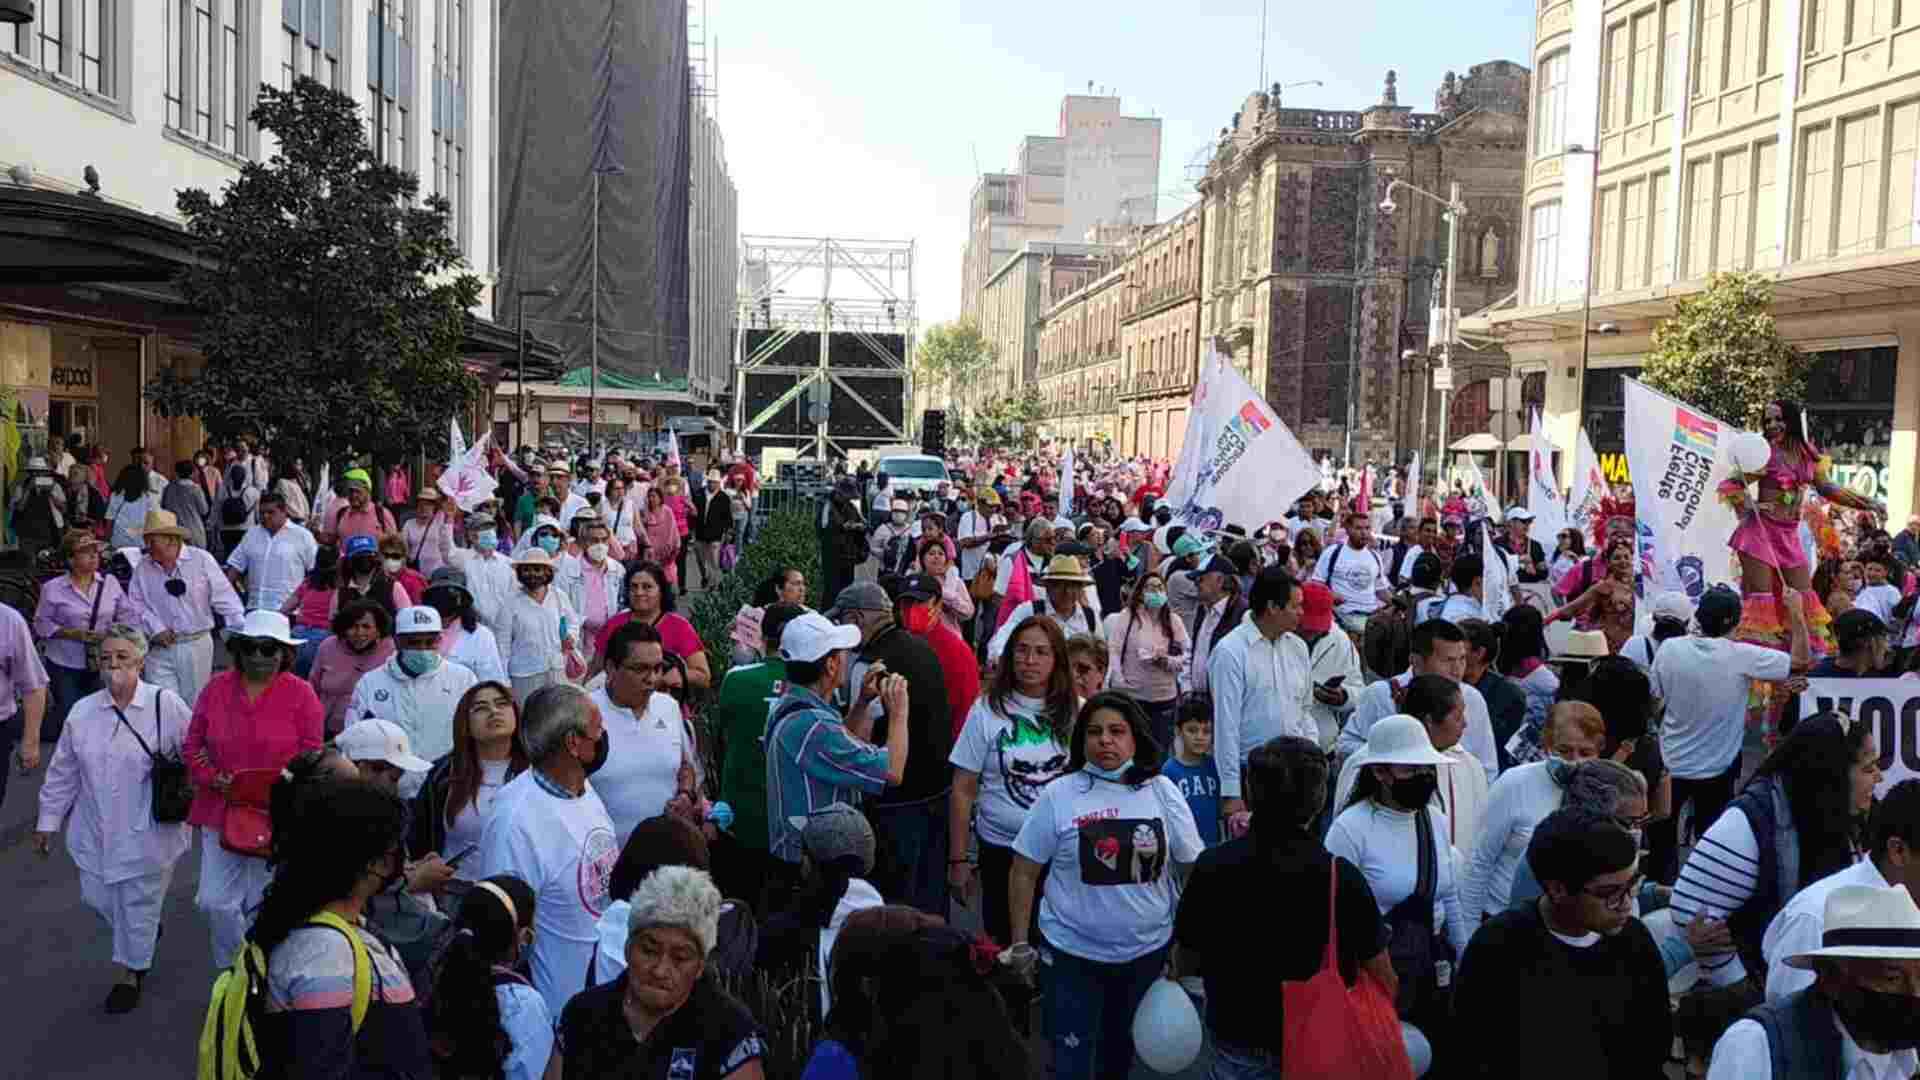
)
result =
(233, 509)
(36, 517)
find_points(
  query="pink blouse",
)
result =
(336, 671)
(228, 733)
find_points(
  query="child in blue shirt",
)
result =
(1191, 767)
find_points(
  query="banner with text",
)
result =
(1543, 491)
(1679, 453)
(1890, 708)
(1239, 464)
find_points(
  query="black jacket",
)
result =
(713, 516)
(929, 717)
(707, 1038)
(427, 829)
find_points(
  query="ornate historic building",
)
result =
(1317, 294)
(1079, 369)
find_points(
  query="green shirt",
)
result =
(747, 697)
(524, 509)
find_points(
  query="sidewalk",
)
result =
(22, 807)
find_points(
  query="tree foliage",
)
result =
(950, 351)
(992, 426)
(334, 301)
(1721, 352)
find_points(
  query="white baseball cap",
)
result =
(811, 637)
(1673, 605)
(416, 620)
(379, 740)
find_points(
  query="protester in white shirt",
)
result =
(1354, 572)
(489, 573)
(972, 534)
(1468, 599)
(1437, 647)
(1036, 548)
(1877, 596)
(273, 557)
(1705, 679)
(1259, 681)
(1858, 1015)
(650, 760)
(463, 639)
(1064, 598)
(1672, 613)
(539, 631)
(1438, 704)
(1893, 858)
(416, 688)
(550, 830)
(1518, 801)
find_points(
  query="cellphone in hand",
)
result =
(464, 852)
(1334, 683)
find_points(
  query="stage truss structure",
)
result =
(822, 286)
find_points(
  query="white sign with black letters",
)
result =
(1892, 709)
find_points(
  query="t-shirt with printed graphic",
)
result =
(564, 848)
(309, 1010)
(1109, 895)
(1015, 755)
(1201, 785)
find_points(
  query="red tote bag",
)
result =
(1334, 1032)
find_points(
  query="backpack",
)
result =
(233, 508)
(1387, 640)
(37, 518)
(229, 1045)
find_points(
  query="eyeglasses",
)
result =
(1617, 896)
(660, 668)
(258, 647)
(1032, 652)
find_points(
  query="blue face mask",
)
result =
(1116, 775)
(487, 541)
(549, 544)
(1154, 600)
(418, 662)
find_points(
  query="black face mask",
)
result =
(1414, 792)
(1875, 1016)
(360, 565)
(600, 751)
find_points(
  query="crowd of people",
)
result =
(1041, 759)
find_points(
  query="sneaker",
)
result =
(124, 996)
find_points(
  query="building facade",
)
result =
(1012, 304)
(1078, 368)
(713, 257)
(1160, 339)
(1317, 294)
(1100, 169)
(1778, 136)
(114, 106)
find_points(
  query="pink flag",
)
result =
(1019, 587)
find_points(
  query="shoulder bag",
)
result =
(1420, 954)
(172, 788)
(93, 619)
(1330, 1031)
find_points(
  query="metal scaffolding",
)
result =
(798, 285)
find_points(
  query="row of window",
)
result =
(1857, 188)
(70, 40)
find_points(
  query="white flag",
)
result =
(1238, 463)
(1495, 591)
(456, 443)
(467, 481)
(1589, 483)
(1677, 455)
(1412, 505)
(1478, 494)
(673, 448)
(1543, 495)
(1066, 481)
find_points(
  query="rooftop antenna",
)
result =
(1263, 44)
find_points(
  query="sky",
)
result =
(870, 119)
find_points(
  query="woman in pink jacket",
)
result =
(399, 490)
(682, 508)
(252, 718)
(659, 529)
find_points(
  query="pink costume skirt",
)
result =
(1775, 543)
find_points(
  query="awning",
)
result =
(1479, 443)
(1524, 442)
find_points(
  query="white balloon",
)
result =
(1419, 1050)
(1749, 452)
(1166, 1028)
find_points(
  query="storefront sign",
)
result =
(1890, 706)
(72, 376)
(1872, 481)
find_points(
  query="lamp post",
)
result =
(520, 342)
(1443, 376)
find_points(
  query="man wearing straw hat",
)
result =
(1860, 1020)
(178, 589)
(1063, 599)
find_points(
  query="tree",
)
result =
(993, 424)
(947, 356)
(1721, 352)
(333, 301)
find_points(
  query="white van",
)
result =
(914, 472)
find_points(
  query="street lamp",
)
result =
(520, 341)
(1443, 376)
(1586, 285)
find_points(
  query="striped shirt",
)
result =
(1718, 878)
(814, 761)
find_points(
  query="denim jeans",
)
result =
(1232, 1062)
(911, 864)
(65, 687)
(1087, 1010)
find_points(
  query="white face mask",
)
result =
(597, 552)
(394, 566)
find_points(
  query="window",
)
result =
(1614, 90)
(1660, 197)
(390, 78)
(230, 77)
(449, 110)
(1644, 74)
(1815, 237)
(1608, 270)
(1733, 241)
(203, 81)
(1903, 175)
(71, 40)
(176, 51)
(1633, 234)
(1551, 124)
(1699, 217)
(310, 41)
(1859, 174)
(1543, 267)
(1766, 205)
(1669, 82)
(209, 71)
(1708, 58)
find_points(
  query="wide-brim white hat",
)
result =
(267, 625)
(1401, 740)
(1584, 645)
(1867, 922)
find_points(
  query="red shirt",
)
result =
(962, 670)
(229, 733)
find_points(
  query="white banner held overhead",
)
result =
(1678, 457)
(1495, 591)
(456, 443)
(1543, 495)
(1887, 706)
(467, 481)
(1589, 482)
(1238, 463)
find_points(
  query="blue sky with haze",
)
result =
(862, 118)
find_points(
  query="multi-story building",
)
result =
(1079, 361)
(1011, 306)
(1731, 135)
(1160, 336)
(1100, 169)
(114, 106)
(713, 258)
(1316, 294)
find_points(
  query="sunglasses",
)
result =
(259, 647)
